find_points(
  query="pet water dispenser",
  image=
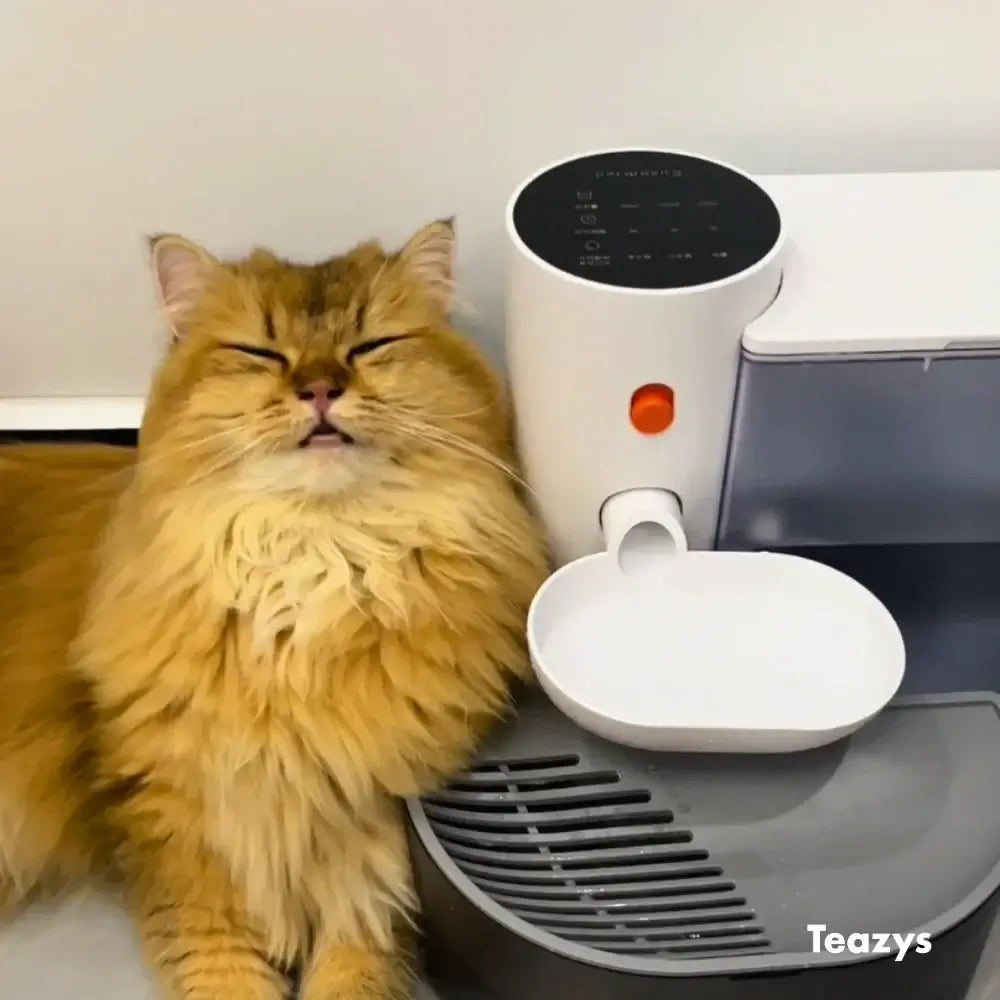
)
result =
(758, 418)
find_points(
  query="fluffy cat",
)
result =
(225, 656)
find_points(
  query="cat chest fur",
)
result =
(301, 851)
(318, 679)
(289, 740)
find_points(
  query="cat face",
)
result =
(320, 378)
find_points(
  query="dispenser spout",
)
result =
(642, 525)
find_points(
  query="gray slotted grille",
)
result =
(581, 855)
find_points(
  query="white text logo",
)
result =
(867, 944)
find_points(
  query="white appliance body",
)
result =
(578, 348)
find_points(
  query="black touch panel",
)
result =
(646, 219)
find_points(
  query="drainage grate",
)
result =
(582, 855)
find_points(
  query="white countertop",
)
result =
(83, 948)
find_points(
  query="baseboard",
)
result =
(71, 413)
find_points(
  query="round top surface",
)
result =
(646, 219)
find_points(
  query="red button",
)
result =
(652, 408)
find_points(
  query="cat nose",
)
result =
(321, 394)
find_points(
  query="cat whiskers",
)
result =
(230, 454)
(226, 460)
(421, 430)
(417, 414)
(152, 461)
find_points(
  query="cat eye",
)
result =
(259, 352)
(359, 350)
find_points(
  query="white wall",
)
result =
(309, 124)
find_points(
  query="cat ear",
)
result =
(182, 271)
(429, 257)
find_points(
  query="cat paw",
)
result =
(355, 974)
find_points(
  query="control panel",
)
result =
(646, 219)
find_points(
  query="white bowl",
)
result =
(727, 652)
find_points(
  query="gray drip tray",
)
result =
(654, 865)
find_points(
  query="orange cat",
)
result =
(224, 658)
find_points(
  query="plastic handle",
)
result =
(641, 526)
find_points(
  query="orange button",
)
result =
(652, 408)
